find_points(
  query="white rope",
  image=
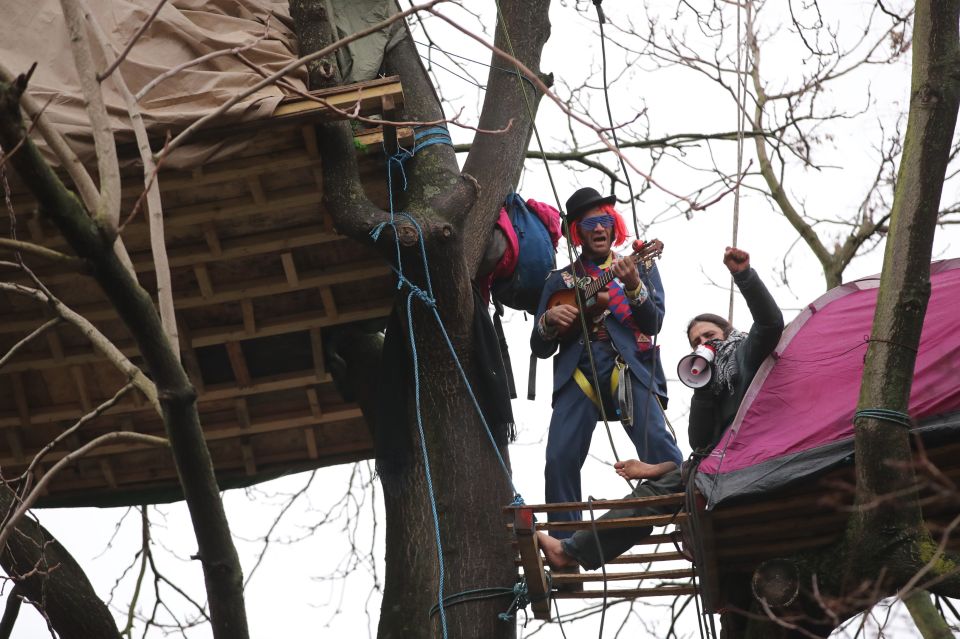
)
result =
(741, 115)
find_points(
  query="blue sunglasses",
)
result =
(606, 221)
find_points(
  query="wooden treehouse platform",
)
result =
(730, 542)
(661, 569)
(259, 274)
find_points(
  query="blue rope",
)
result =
(424, 138)
(429, 136)
(426, 461)
(885, 414)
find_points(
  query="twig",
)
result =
(21, 246)
(99, 341)
(354, 112)
(96, 412)
(545, 90)
(66, 460)
(29, 338)
(379, 26)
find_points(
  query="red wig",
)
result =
(619, 227)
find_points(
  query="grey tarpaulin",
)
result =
(361, 60)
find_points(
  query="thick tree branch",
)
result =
(108, 167)
(151, 184)
(68, 159)
(522, 29)
(775, 185)
(925, 615)
(882, 448)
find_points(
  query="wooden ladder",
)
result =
(544, 585)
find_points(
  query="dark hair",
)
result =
(721, 322)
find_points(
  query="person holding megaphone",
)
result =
(720, 370)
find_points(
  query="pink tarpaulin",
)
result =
(805, 394)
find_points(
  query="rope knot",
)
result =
(885, 415)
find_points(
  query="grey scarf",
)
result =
(725, 362)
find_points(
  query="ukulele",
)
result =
(593, 292)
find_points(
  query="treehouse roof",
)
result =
(797, 417)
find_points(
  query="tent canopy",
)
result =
(797, 416)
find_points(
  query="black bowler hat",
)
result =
(585, 199)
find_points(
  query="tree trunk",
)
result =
(456, 214)
(49, 577)
(883, 529)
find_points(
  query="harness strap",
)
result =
(587, 387)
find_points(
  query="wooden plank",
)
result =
(256, 189)
(311, 440)
(388, 107)
(107, 470)
(363, 96)
(35, 228)
(279, 326)
(249, 289)
(316, 348)
(212, 239)
(309, 134)
(289, 269)
(249, 319)
(212, 434)
(329, 304)
(81, 384)
(243, 414)
(238, 363)
(633, 593)
(212, 336)
(219, 392)
(15, 444)
(586, 577)
(607, 524)
(375, 137)
(315, 409)
(231, 249)
(729, 552)
(646, 558)
(607, 504)
(785, 528)
(56, 346)
(249, 464)
(203, 281)
(532, 562)
(20, 398)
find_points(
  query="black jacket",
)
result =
(711, 414)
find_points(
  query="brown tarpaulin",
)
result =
(34, 31)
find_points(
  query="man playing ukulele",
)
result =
(629, 374)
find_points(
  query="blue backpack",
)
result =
(537, 233)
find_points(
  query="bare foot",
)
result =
(636, 469)
(554, 553)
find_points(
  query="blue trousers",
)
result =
(572, 424)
